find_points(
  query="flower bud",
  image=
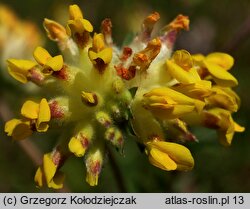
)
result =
(104, 119)
(94, 161)
(89, 99)
(80, 142)
(114, 135)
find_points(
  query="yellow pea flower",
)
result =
(223, 122)
(220, 75)
(36, 117)
(48, 174)
(38, 111)
(168, 103)
(18, 129)
(55, 31)
(100, 55)
(222, 59)
(217, 65)
(19, 69)
(221, 98)
(78, 27)
(80, 142)
(98, 90)
(198, 90)
(169, 156)
(48, 62)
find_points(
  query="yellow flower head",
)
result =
(97, 90)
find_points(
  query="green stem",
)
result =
(116, 171)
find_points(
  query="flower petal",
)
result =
(161, 160)
(179, 73)
(75, 12)
(41, 55)
(43, 116)
(178, 153)
(183, 59)
(39, 177)
(57, 181)
(98, 42)
(30, 109)
(222, 59)
(49, 168)
(238, 128)
(10, 126)
(19, 69)
(220, 75)
(76, 147)
(55, 63)
(55, 31)
(18, 129)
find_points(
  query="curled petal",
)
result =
(55, 31)
(148, 25)
(18, 129)
(57, 181)
(222, 59)
(144, 58)
(222, 121)
(180, 22)
(183, 59)
(19, 69)
(220, 75)
(48, 174)
(43, 116)
(76, 147)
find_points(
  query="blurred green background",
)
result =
(215, 26)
